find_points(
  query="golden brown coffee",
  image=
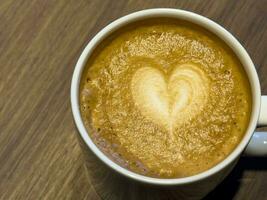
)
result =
(165, 98)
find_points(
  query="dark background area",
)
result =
(40, 42)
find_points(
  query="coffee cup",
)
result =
(192, 187)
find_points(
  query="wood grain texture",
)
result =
(40, 42)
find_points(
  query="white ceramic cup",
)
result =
(254, 143)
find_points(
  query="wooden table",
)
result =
(40, 42)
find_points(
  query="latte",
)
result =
(165, 98)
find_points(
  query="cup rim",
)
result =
(208, 24)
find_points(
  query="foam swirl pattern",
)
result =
(170, 101)
(165, 99)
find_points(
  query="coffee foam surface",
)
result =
(165, 100)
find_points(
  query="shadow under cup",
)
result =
(110, 180)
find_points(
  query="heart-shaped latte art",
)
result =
(170, 101)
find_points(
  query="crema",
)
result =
(165, 98)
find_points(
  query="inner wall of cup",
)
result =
(210, 26)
